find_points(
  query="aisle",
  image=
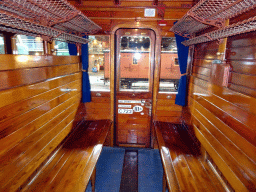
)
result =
(109, 170)
(128, 170)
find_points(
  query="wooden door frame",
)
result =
(138, 25)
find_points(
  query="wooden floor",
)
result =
(129, 181)
(191, 171)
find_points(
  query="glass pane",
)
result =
(2, 49)
(27, 45)
(99, 63)
(61, 48)
(170, 70)
(134, 63)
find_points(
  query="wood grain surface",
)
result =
(39, 101)
(223, 118)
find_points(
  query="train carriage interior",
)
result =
(127, 95)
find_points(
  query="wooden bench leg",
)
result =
(164, 182)
(93, 178)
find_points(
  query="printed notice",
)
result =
(137, 108)
(125, 106)
(129, 101)
(125, 111)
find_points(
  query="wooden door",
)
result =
(134, 84)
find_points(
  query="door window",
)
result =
(134, 56)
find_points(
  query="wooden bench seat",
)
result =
(184, 168)
(72, 164)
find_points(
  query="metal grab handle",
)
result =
(98, 94)
(68, 90)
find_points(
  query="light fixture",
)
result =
(149, 12)
(137, 56)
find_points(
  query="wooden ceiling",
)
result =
(108, 12)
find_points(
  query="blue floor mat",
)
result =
(109, 170)
(150, 170)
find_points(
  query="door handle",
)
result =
(150, 109)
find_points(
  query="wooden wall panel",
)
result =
(224, 118)
(99, 108)
(39, 101)
(241, 57)
(167, 110)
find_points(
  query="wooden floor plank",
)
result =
(129, 181)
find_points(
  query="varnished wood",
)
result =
(167, 163)
(93, 179)
(164, 183)
(11, 96)
(129, 179)
(182, 163)
(19, 77)
(166, 109)
(104, 13)
(38, 114)
(99, 107)
(13, 138)
(127, 134)
(52, 129)
(12, 62)
(223, 117)
(74, 162)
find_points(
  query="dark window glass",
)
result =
(2, 48)
(170, 70)
(28, 45)
(61, 48)
(99, 63)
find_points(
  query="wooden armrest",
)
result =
(167, 162)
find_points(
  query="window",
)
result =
(170, 70)
(61, 48)
(134, 62)
(2, 48)
(99, 63)
(28, 45)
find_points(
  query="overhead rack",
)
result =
(208, 13)
(53, 19)
(234, 29)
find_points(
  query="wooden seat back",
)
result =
(39, 99)
(72, 164)
(224, 118)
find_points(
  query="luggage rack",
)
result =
(52, 19)
(208, 13)
(234, 29)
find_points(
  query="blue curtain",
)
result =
(72, 49)
(183, 58)
(86, 88)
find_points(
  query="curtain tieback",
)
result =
(84, 70)
(184, 74)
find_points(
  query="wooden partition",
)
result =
(99, 108)
(39, 99)
(224, 117)
(167, 110)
